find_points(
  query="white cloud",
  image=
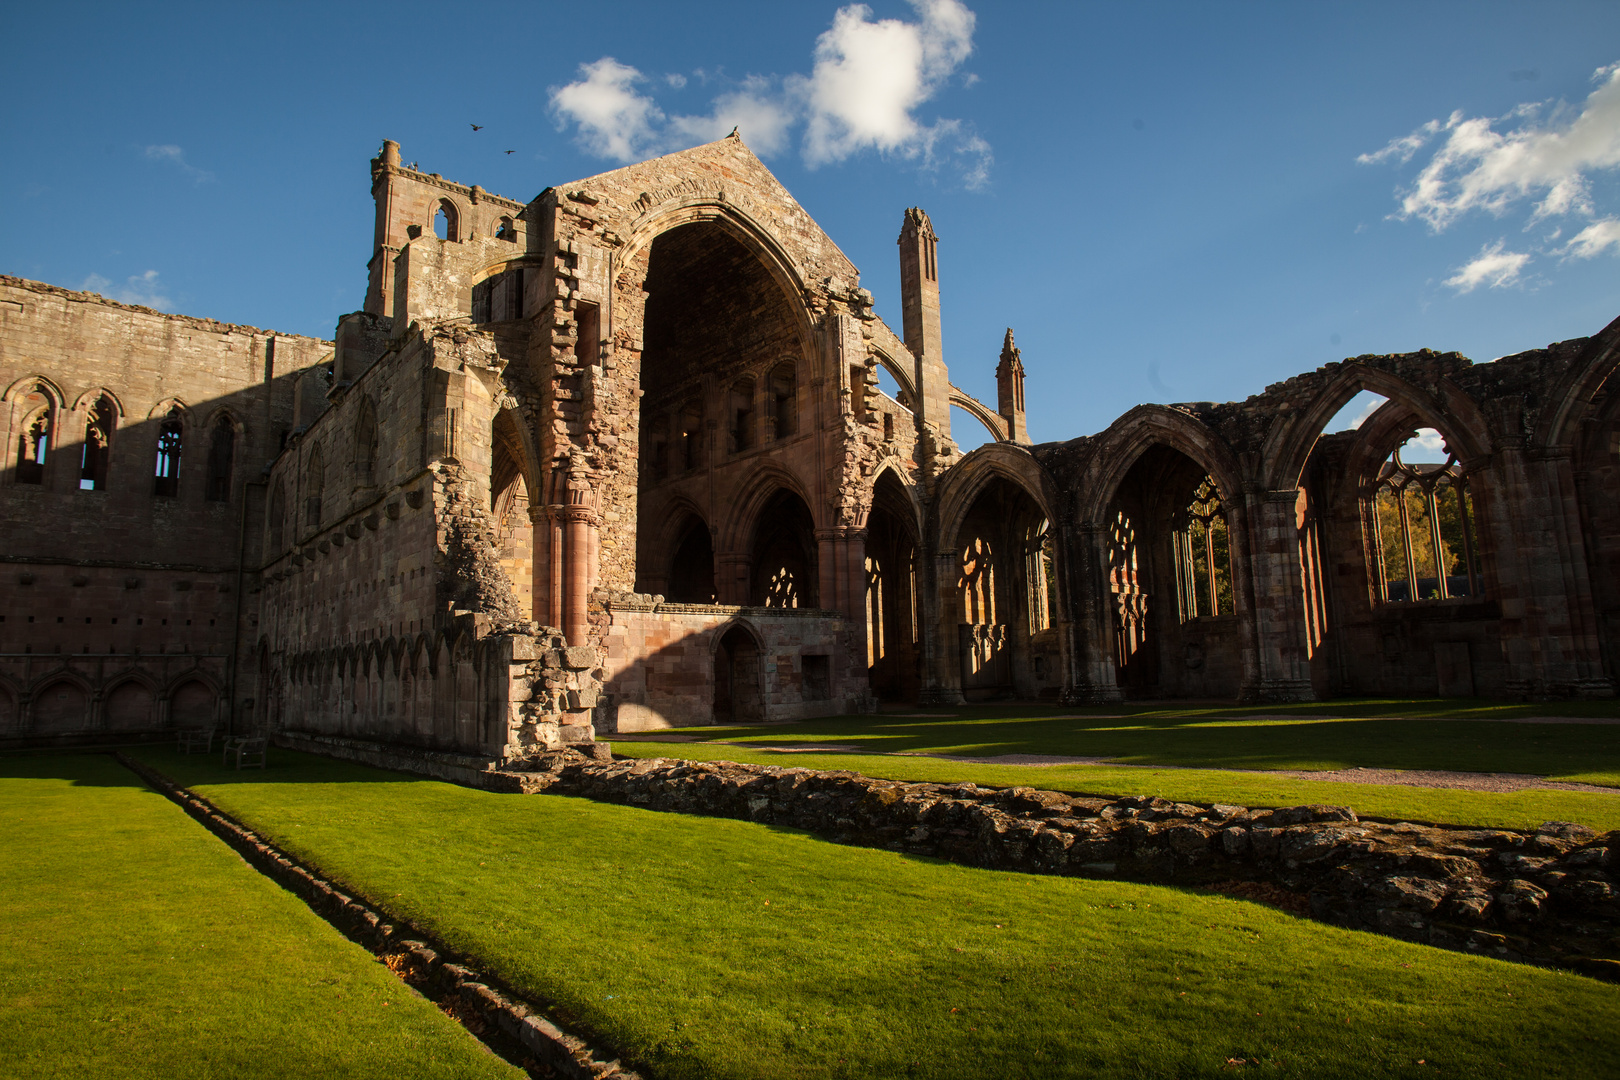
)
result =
(1595, 239)
(763, 118)
(676, 80)
(1547, 156)
(142, 289)
(175, 156)
(1425, 447)
(1492, 266)
(614, 120)
(1404, 147)
(868, 79)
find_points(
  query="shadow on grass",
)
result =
(1476, 740)
(189, 770)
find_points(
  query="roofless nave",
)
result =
(617, 458)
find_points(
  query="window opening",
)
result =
(874, 612)
(313, 487)
(98, 427)
(978, 582)
(742, 416)
(506, 230)
(784, 400)
(444, 221)
(691, 436)
(1428, 546)
(365, 444)
(1124, 580)
(1204, 555)
(1041, 575)
(221, 455)
(35, 440)
(589, 346)
(168, 454)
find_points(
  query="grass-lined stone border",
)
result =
(495, 1016)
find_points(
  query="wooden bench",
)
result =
(192, 739)
(249, 750)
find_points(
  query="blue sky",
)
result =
(1167, 202)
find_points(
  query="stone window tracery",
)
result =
(1041, 575)
(98, 429)
(170, 437)
(1124, 581)
(35, 440)
(1204, 555)
(978, 582)
(1427, 545)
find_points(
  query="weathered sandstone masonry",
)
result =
(635, 421)
(1545, 897)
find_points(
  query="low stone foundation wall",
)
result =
(469, 770)
(1545, 896)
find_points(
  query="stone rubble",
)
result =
(1543, 897)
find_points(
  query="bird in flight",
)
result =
(511, 151)
(478, 127)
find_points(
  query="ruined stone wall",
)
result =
(659, 663)
(139, 586)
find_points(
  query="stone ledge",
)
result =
(509, 1023)
(1543, 897)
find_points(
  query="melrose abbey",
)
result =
(617, 459)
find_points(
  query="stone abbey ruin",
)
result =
(617, 459)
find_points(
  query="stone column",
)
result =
(1280, 642)
(1090, 677)
(828, 585)
(733, 576)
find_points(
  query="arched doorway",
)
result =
(738, 695)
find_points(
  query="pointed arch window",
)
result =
(445, 224)
(1204, 555)
(170, 437)
(98, 429)
(35, 439)
(1423, 517)
(221, 456)
(1125, 582)
(784, 390)
(315, 482)
(978, 581)
(365, 445)
(278, 516)
(1041, 574)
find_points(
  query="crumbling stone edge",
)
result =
(510, 1027)
(1544, 897)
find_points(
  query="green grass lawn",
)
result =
(1362, 733)
(723, 949)
(135, 944)
(1391, 802)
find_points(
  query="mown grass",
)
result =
(711, 948)
(1458, 736)
(134, 944)
(1391, 802)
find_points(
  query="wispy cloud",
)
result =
(1549, 154)
(868, 80)
(1544, 152)
(1595, 239)
(1492, 266)
(142, 289)
(175, 156)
